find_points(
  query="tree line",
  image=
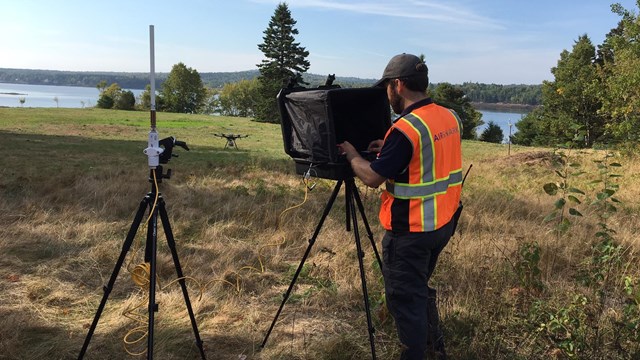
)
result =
(477, 92)
(138, 81)
(594, 99)
(503, 94)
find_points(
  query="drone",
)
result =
(231, 139)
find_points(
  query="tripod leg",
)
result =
(347, 208)
(174, 253)
(152, 244)
(363, 277)
(356, 196)
(304, 258)
(107, 289)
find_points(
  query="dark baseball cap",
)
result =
(404, 66)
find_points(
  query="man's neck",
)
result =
(412, 97)
(422, 102)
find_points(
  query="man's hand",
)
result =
(348, 150)
(361, 167)
(375, 146)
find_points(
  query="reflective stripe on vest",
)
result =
(424, 190)
(433, 188)
(429, 186)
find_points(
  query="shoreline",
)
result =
(12, 93)
(503, 107)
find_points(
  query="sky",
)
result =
(485, 41)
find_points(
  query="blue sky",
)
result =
(487, 41)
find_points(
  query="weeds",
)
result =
(566, 328)
(528, 268)
(585, 327)
(569, 195)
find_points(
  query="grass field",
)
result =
(510, 286)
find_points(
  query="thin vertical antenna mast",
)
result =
(152, 78)
(154, 150)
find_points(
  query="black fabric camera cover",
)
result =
(315, 120)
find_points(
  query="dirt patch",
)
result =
(526, 158)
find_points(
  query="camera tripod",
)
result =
(352, 198)
(150, 257)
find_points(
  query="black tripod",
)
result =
(352, 198)
(150, 256)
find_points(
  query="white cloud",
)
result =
(412, 9)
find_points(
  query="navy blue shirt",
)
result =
(397, 150)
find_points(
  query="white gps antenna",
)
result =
(153, 149)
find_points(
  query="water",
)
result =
(502, 119)
(50, 96)
(78, 97)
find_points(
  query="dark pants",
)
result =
(409, 261)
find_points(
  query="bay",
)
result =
(505, 120)
(50, 96)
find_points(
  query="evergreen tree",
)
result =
(528, 133)
(125, 101)
(105, 101)
(493, 133)
(284, 63)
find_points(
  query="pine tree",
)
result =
(493, 133)
(284, 63)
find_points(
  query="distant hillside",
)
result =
(74, 78)
(477, 93)
(129, 80)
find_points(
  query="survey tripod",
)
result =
(352, 198)
(152, 198)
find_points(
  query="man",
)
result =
(420, 163)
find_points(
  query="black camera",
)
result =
(315, 120)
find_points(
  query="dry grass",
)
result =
(69, 191)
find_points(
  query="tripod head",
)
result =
(165, 147)
(168, 144)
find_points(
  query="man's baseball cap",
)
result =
(404, 66)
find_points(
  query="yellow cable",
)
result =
(236, 285)
(260, 251)
(278, 222)
(141, 273)
(153, 208)
(142, 329)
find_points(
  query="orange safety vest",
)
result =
(426, 195)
